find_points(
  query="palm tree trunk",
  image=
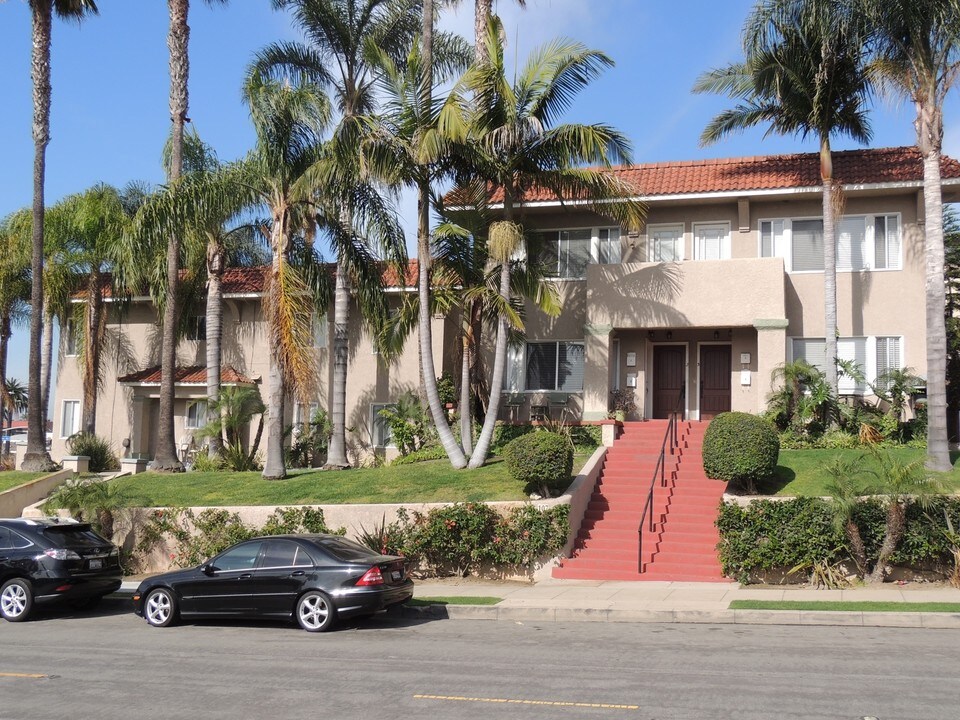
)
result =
(5, 403)
(37, 459)
(274, 468)
(938, 449)
(46, 363)
(337, 452)
(481, 18)
(500, 355)
(857, 549)
(893, 533)
(424, 254)
(214, 312)
(91, 354)
(466, 411)
(829, 269)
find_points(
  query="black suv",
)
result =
(51, 560)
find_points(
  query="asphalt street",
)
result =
(109, 664)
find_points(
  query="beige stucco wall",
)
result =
(133, 343)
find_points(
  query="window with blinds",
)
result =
(554, 366)
(807, 250)
(772, 238)
(565, 254)
(886, 242)
(852, 350)
(888, 359)
(851, 241)
(711, 242)
(608, 246)
(665, 244)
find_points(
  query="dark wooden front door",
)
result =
(714, 380)
(668, 369)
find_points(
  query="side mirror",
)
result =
(207, 569)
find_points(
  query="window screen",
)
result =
(808, 245)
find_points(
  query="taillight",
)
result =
(371, 577)
(61, 554)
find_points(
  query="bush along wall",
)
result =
(802, 535)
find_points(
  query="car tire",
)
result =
(160, 608)
(315, 611)
(16, 600)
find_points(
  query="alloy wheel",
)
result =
(313, 612)
(13, 601)
(159, 608)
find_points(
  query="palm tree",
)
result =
(14, 292)
(916, 44)
(42, 11)
(512, 144)
(178, 39)
(803, 75)
(341, 34)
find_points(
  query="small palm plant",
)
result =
(229, 416)
(845, 488)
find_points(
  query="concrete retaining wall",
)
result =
(14, 500)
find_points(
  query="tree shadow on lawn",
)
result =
(781, 477)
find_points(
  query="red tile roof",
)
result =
(192, 375)
(770, 172)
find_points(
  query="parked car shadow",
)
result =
(391, 619)
(107, 607)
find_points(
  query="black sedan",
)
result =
(313, 578)
(49, 560)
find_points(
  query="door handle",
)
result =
(246, 576)
(298, 573)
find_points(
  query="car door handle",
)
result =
(298, 573)
(246, 576)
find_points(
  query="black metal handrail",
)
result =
(659, 470)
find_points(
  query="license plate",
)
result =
(96, 564)
(395, 574)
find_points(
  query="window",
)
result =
(321, 330)
(285, 554)
(665, 244)
(608, 246)
(711, 241)
(71, 339)
(196, 415)
(807, 250)
(813, 351)
(853, 350)
(886, 242)
(772, 240)
(566, 253)
(242, 557)
(70, 419)
(380, 435)
(888, 358)
(303, 413)
(554, 366)
(197, 328)
(863, 242)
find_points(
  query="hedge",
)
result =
(542, 461)
(740, 447)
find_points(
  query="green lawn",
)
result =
(12, 478)
(799, 471)
(845, 606)
(432, 481)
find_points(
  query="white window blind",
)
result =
(888, 358)
(70, 420)
(665, 245)
(196, 415)
(807, 245)
(771, 238)
(851, 238)
(813, 351)
(712, 242)
(853, 350)
(380, 435)
(886, 242)
(513, 377)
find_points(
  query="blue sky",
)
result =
(110, 86)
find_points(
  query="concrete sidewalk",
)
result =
(671, 602)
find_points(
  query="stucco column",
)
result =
(596, 373)
(771, 352)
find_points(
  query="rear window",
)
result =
(347, 550)
(73, 536)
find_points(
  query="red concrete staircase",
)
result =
(682, 544)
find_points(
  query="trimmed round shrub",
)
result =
(740, 447)
(542, 461)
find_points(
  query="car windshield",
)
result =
(347, 550)
(73, 536)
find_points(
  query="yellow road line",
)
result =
(23, 675)
(505, 701)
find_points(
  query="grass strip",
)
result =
(462, 600)
(846, 606)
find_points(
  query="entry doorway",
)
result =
(714, 380)
(669, 367)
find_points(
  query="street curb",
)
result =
(699, 617)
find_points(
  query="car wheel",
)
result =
(315, 611)
(16, 600)
(160, 608)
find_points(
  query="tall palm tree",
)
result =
(42, 12)
(340, 35)
(804, 74)
(178, 38)
(513, 144)
(917, 55)
(14, 290)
